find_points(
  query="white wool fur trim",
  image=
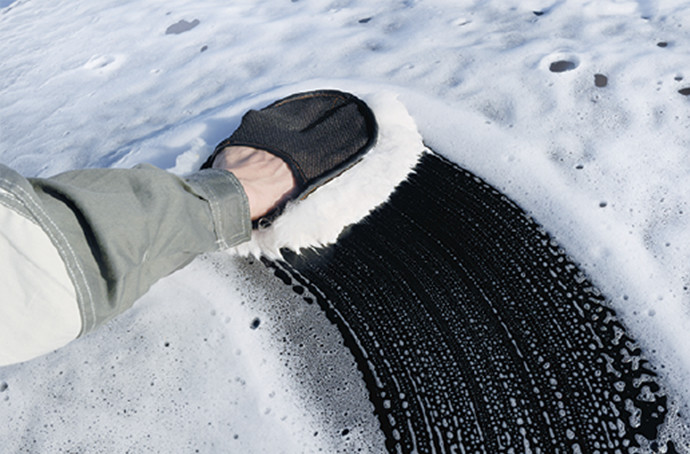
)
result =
(319, 219)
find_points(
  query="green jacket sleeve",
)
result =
(120, 230)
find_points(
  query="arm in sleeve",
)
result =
(120, 230)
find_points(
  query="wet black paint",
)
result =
(181, 27)
(562, 66)
(473, 329)
(600, 80)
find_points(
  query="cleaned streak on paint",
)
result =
(453, 297)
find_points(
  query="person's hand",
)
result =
(267, 180)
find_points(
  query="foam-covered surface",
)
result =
(512, 90)
(232, 365)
